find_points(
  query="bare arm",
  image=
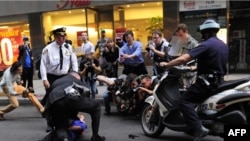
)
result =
(178, 61)
(109, 81)
(97, 68)
(146, 90)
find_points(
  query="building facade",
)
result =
(37, 18)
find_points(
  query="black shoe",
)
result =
(2, 117)
(200, 133)
(31, 90)
(101, 84)
(98, 138)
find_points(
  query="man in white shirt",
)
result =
(53, 65)
(57, 59)
(87, 46)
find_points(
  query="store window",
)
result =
(73, 20)
(11, 34)
(76, 22)
(194, 18)
(137, 17)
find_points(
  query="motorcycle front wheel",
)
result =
(151, 122)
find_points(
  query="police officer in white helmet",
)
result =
(212, 57)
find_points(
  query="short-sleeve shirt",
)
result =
(212, 55)
(88, 48)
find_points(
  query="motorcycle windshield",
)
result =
(168, 91)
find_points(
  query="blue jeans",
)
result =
(107, 98)
(91, 84)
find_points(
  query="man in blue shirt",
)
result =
(212, 56)
(131, 55)
(26, 59)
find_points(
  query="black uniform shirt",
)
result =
(212, 55)
(58, 87)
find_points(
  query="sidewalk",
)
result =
(40, 91)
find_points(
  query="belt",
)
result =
(56, 75)
(210, 79)
(136, 65)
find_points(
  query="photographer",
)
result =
(26, 59)
(89, 67)
(111, 54)
(157, 50)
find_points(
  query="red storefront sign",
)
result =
(79, 37)
(119, 32)
(72, 3)
(10, 38)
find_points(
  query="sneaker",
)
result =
(98, 138)
(1, 117)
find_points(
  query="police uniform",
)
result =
(64, 104)
(51, 67)
(212, 56)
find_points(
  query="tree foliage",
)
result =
(155, 23)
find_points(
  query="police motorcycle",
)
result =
(228, 104)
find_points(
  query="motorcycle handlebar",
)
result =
(182, 68)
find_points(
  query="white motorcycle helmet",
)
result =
(208, 28)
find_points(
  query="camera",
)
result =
(89, 64)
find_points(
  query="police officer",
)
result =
(212, 57)
(56, 61)
(66, 100)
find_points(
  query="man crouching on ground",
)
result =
(66, 100)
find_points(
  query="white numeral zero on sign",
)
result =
(6, 52)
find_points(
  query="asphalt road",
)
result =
(26, 124)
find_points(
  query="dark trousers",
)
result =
(138, 70)
(51, 78)
(195, 94)
(68, 107)
(27, 75)
(112, 71)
